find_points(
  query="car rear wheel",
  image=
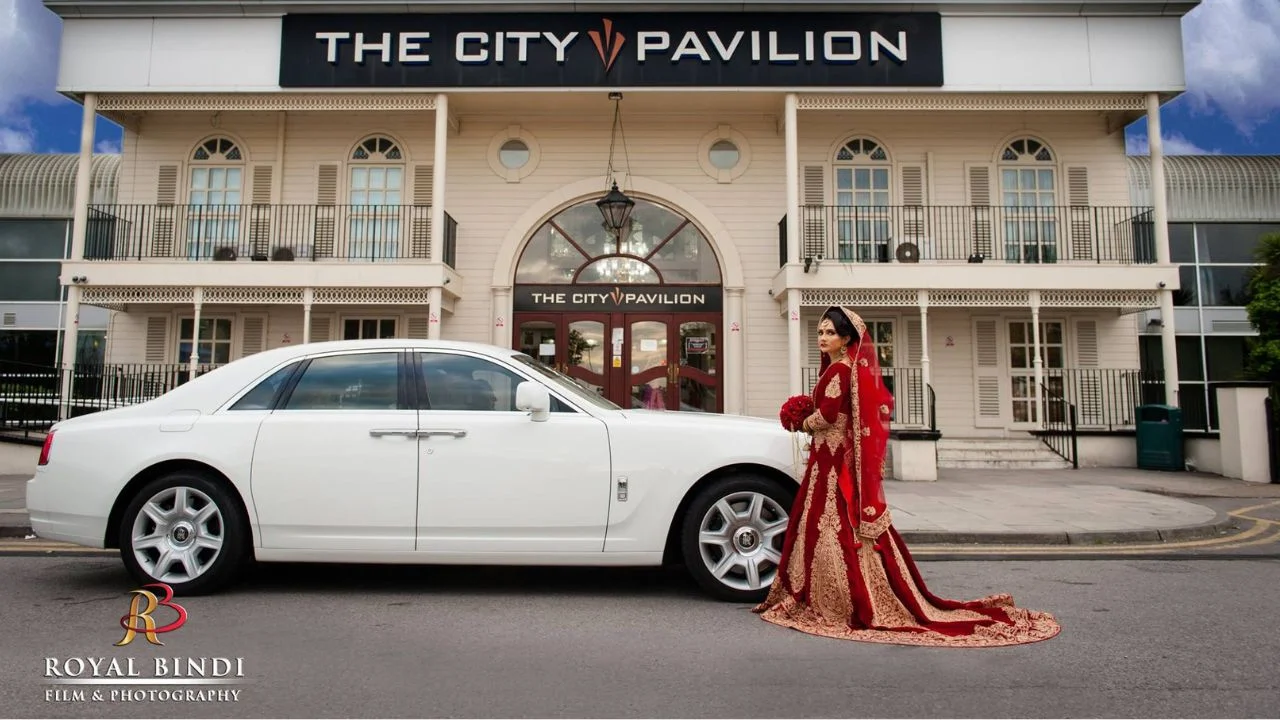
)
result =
(733, 534)
(183, 530)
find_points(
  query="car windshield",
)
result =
(567, 384)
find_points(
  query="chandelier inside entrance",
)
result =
(615, 206)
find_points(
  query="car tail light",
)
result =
(44, 451)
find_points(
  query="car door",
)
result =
(492, 479)
(335, 466)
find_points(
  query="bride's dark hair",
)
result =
(844, 328)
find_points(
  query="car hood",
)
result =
(671, 418)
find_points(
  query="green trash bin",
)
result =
(1160, 438)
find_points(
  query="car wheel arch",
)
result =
(159, 470)
(671, 553)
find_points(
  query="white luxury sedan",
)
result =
(411, 451)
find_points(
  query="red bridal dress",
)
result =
(845, 571)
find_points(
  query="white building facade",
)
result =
(956, 175)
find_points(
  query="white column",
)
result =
(435, 297)
(735, 354)
(308, 297)
(503, 325)
(1160, 203)
(437, 180)
(926, 372)
(194, 359)
(793, 179)
(795, 340)
(1036, 362)
(79, 223)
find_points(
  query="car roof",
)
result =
(210, 391)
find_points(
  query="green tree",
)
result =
(1264, 311)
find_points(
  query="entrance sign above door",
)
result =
(560, 50)
(617, 298)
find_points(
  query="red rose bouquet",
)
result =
(794, 411)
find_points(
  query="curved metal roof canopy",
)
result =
(44, 185)
(1212, 187)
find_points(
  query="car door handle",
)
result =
(454, 433)
(380, 432)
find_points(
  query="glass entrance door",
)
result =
(672, 363)
(571, 343)
(658, 362)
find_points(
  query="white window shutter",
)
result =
(420, 222)
(813, 213)
(157, 347)
(321, 328)
(419, 327)
(253, 334)
(980, 179)
(988, 381)
(1081, 241)
(326, 213)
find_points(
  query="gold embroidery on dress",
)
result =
(886, 609)
(795, 564)
(830, 595)
(877, 527)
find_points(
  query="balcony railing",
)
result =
(974, 233)
(280, 233)
(907, 386)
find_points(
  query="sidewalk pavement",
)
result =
(1000, 507)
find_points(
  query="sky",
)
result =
(1231, 50)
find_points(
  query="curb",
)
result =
(1222, 525)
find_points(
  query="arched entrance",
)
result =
(638, 319)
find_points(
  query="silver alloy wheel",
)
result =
(740, 539)
(178, 534)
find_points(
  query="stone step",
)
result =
(1026, 453)
(1055, 464)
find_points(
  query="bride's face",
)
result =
(828, 341)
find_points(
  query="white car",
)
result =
(411, 451)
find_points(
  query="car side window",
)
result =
(263, 395)
(360, 381)
(462, 382)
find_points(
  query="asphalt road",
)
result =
(1153, 638)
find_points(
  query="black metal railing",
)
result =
(1060, 432)
(976, 233)
(1105, 399)
(906, 384)
(933, 408)
(279, 233)
(32, 399)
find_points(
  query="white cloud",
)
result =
(109, 147)
(13, 140)
(30, 36)
(1174, 144)
(1232, 52)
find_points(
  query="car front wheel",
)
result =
(732, 537)
(183, 530)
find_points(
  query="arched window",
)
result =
(863, 195)
(375, 192)
(659, 246)
(215, 198)
(1028, 191)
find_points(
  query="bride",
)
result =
(845, 572)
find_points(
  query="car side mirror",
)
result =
(533, 398)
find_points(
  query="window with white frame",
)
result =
(1028, 190)
(375, 191)
(368, 328)
(213, 345)
(1022, 373)
(863, 182)
(214, 195)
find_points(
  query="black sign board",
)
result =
(557, 50)
(617, 298)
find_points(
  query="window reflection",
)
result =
(664, 245)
